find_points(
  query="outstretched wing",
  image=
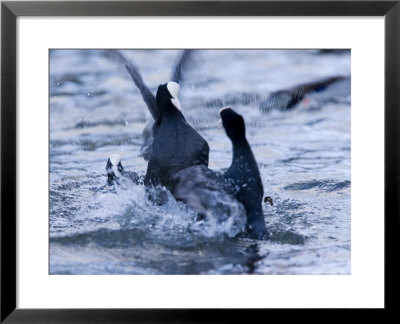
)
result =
(148, 97)
(176, 75)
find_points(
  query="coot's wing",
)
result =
(176, 75)
(289, 98)
(315, 86)
(148, 97)
(299, 92)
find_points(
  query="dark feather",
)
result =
(148, 97)
(176, 75)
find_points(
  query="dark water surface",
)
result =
(303, 155)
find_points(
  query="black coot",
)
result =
(175, 145)
(176, 76)
(288, 99)
(242, 179)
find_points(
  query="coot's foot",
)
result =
(115, 172)
(114, 169)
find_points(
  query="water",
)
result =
(303, 156)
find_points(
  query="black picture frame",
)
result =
(10, 10)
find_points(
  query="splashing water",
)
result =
(303, 156)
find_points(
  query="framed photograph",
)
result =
(163, 159)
